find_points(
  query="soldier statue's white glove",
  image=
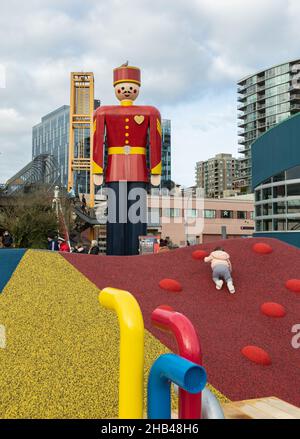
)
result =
(98, 179)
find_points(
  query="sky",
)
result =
(191, 53)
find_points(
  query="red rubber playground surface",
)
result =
(226, 324)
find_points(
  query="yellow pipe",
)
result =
(131, 374)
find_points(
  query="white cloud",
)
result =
(191, 55)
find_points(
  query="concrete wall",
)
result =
(276, 150)
(206, 229)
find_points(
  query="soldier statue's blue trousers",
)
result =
(127, 217)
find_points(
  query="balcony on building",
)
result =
(261, 97)
(261, 78)
(242, 115)
(261, 106)
(295, 107)
(241, 88)
(261, 116)
(241, 106)
(242, 98)
(295, 96)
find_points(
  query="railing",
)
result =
(261, 125)
(261, 97)
(241, 88)
(295, 96)
(261, 106)
(295, 107)
(241, 106)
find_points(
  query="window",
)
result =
(279, 208)
(277, 80)
(209, 214)
(241, 215)
(267, 210)
(267, 194)
(282, 116)
(280, 70)
(274, 91)
(267, 225)
(252, 215)
(294, 206)
(279, 192)
(171, 213)
(258, 195)
(251, 99)
(191, 213)
(293, 190)
(279, 225)
(270, 121)
(258, 226)
(258, 211)
(226, 214)
(153, 215)
(294, 224)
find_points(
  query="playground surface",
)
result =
(61, 355)
(225, 323)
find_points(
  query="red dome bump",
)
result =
(257, 355)
(273, 310)
(262, 248)
(293, 285)
(170, 285)
(199, 255)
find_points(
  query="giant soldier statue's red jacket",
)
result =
(127, 130)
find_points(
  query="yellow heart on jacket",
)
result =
(139, 119)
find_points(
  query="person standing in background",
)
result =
(7, 239)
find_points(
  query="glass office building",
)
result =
(276, 182)
(264, 100)
(166, 151)
(278, 202)
(51, 136)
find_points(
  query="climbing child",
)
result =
(221, 268)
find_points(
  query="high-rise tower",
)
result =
(81, 133)
(264, 100)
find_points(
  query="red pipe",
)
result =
(189, 348)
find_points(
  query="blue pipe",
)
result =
(171, 368)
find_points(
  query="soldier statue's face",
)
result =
(127, 91)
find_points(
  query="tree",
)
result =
(29, 218)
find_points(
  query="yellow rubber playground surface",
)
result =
(61, 356)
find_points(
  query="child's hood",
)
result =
(219, 254)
